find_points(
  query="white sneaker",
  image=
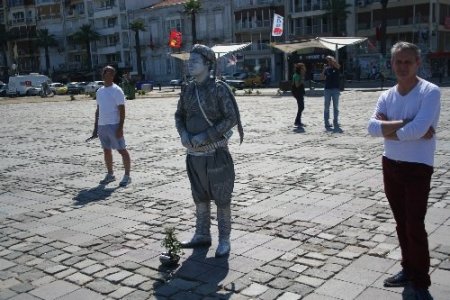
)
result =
(126, 180)
(108, 178)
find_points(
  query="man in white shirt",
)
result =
(406, 116)
(109, 120)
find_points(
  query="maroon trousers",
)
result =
(407, 186)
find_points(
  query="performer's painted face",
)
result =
(197, 65)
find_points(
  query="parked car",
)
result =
(20, 84)
(58, 88)
(34, 91)
(3, 89)
(75, 88)
(236, 83)
(93, 86)
(147, 84)
(176, 82)
(250, 79)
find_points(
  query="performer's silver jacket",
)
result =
(219, 105)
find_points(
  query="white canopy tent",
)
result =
(330, 43)
(219, 50)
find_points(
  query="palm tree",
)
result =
(338, 10)
(136, 26)
(192, 8)
(4, 37)
(46, 40)
(85, 35)
(384, 4)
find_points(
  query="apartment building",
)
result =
(62, 18)
(253, 23)
(212, 27)
(423, 22)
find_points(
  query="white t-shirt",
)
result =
(421, 105)
(108, 100)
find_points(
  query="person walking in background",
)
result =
(108, 126)
(406, 116)
(206, 112)
(298, 90)
(331, 75)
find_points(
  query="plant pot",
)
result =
(168, 260)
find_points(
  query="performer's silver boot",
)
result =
(202, 236)
(224, 224)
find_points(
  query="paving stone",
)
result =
(54, 289)
(79, 278)
(102, 286)
(254, 290)
(280, 283)
(121, 292)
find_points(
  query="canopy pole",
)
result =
(336, 54)
(286, 66)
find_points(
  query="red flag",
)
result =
(175, 39)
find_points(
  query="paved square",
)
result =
(310, 219)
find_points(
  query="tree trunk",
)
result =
(194, 30)
(138, 54)
(47, 61)
(88, 60)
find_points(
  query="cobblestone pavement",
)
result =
(310, 220)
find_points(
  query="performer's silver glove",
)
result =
(199, 139)
(185, 140)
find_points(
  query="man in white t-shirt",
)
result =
(406, 116)
(109, 120)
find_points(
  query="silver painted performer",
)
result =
(206, 113)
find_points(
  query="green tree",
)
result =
(46, 40)
(338, 10)
(384, 4)
(136, 26)
(85, 35)
(4, 37)
(192, 8)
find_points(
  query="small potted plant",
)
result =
(173, 248)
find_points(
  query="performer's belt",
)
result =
(208, 149)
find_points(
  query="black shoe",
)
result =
(413, 293)
(196, 242)
(398, 280)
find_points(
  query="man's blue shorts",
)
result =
(107, 136)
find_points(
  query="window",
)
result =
(176, 24)
(19, 16)
(112, 22)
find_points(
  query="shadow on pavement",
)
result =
(338, 130)
(298, 129)
(197, 267)
(100, 192)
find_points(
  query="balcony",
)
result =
(18, 22)
(108, 49)
(255, 25)
(309, 6)
(107, 30)
(313, 31)
(46, 2)
(243, 4)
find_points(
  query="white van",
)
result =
(20, 85)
